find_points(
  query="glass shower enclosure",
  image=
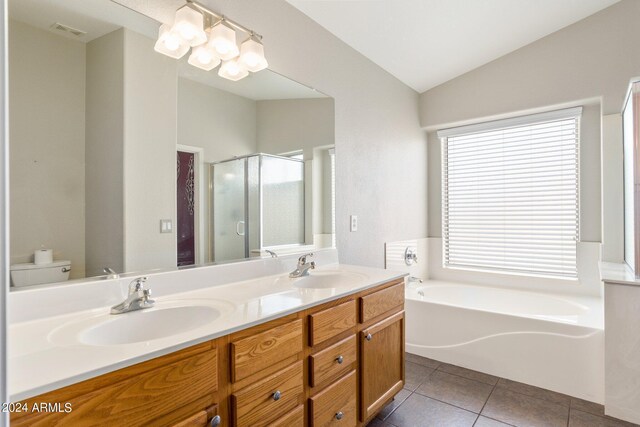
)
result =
(257, 202)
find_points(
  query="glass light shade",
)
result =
(252, 55)
(223, 40)
(189, 25)
(170, 43)
(233, 70)
(204, 57)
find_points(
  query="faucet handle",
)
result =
(303, 258)
(137, 284)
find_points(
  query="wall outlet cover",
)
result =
(166, 226)
(354, 223)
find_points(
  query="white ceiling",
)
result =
(424, 43)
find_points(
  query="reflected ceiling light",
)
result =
(204, 57)
(189, 24)
(223, 40)
(252, 55)
(193, 22)
(170, 43)
(233, 70)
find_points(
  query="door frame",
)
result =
(200, 202)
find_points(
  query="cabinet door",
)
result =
(381, 363)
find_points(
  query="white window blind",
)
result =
(510, 194)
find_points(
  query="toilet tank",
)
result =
(28, 274)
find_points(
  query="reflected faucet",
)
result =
(303, 266)
(111, 273)
(273, 254)
(138, 298)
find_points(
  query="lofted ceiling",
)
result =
(424, 43)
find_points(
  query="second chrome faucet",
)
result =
(303, 266)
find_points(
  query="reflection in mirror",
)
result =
(124, 159)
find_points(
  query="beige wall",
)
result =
(595, 57)
(47, 133)
(591, 59)
(222, 123)
(150, 133)
(380, 149)
(105, 154)
(292, 124)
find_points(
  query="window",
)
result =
(510, 194)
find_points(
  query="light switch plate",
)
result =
(166, 226)
(354, 223)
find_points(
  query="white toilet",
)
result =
(28, 274)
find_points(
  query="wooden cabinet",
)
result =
(331, 322)
(336, 364)
(333, 362)
(253, 354)
(381, 302)
(381, 363)
(269, 399)
(162, 391)
(206, 418)
(336, 405)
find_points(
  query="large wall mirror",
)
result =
(125, 160)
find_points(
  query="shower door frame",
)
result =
(245, 158)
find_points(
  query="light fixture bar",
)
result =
(224, 18)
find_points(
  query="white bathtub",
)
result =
(547, 340)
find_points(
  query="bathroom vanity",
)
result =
(334, 357)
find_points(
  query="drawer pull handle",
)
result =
(368, 337)
(339, 415)
(339, 359)
(277, 395)
(215, 421)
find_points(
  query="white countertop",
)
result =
(618, 273)
(44, 355)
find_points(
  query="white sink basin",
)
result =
(146, 325)
(166, 319)
(328, 279)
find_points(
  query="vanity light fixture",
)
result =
(170, 43)
(233, 70)
(252, 55)
(223, 40)
(189, 25)
(204, 57)
(213, 39)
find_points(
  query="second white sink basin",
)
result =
(146, 325)
(328, 279)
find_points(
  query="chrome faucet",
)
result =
(138, 298)
(303, 266)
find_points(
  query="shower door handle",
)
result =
(240, 228)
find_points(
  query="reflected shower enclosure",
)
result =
(257, 202)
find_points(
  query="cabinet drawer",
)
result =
(169, 388)
(333, 321)
(203, 418)
(269, 399)
(255, 353)
(380, 302)
(335, 406)
(294, 418)
(333, 361)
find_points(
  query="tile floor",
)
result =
(442, 395)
